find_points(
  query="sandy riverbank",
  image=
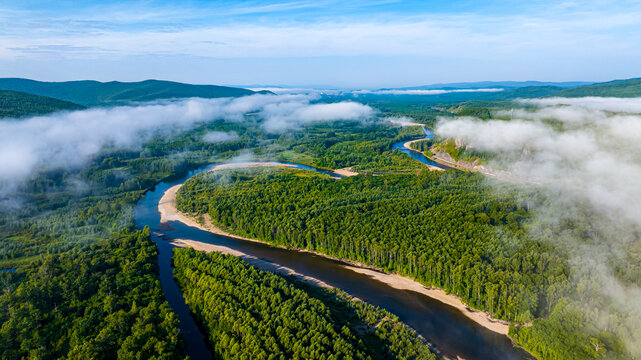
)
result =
(346, 172)
(403, 283)
(406, 123)
(408, 146)
(168, 212)
(252, 260)
(241, 165)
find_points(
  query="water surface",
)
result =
(417, 155)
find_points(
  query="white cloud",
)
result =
(468, 35)
(286, 115)
(588, 160)
(285, 90)
(70, 139)
(627, 105)
(423, 92)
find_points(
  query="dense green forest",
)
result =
(428, 226)
(55, 215)
(448, 230)
(89, 92)
(342, 144)
(253, 314)
(71, 216)
(96, 302)
(17, 104)
(75, 226)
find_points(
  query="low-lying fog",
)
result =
(70, 139)
(583, 152)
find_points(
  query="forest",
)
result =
(93, 302)
(75, 226)
(253, 314)
(444, 229)
(16, 104)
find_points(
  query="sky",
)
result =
(323, 43)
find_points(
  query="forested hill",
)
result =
(88, 92)
(17, 104)
(616, 88)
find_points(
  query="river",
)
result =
(417, 155)
(446, 328)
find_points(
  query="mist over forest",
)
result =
(269, 179)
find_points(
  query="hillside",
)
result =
(17, 104)
(616, 88)
(529, 92)
(88, 92)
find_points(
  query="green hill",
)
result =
(17, 104)
(529, 92)
(616, 88)
(88, 92)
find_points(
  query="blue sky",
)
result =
(355, 44)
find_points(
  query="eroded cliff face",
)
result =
(452, 152)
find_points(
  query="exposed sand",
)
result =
(252, 260)
(242, 165)
(406, 123)
(168, 212)
(431, 167)
(409, 144)
(346, 172)
(403, 283)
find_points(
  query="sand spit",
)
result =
(403, 283)
(406, 123)
(252, 260)
(346, 172)
(169, 212)
(431, 167)
(242, 165)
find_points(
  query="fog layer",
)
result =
(585, 153)
(69, 139)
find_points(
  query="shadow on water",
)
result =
(445, 327)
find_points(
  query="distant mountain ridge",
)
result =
(89, 92)
(17, 104)
(451, 92)
(495, 84)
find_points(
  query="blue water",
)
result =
(146, 213)
(417, 155)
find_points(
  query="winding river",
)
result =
(445, 327)
(417, 155)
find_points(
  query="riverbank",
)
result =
(252, 260)
(347, 172)
(169, 212)
(409, 147)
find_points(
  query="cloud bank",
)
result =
(286, 115)
(585, 153)
(423, 92)
(69, 139)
